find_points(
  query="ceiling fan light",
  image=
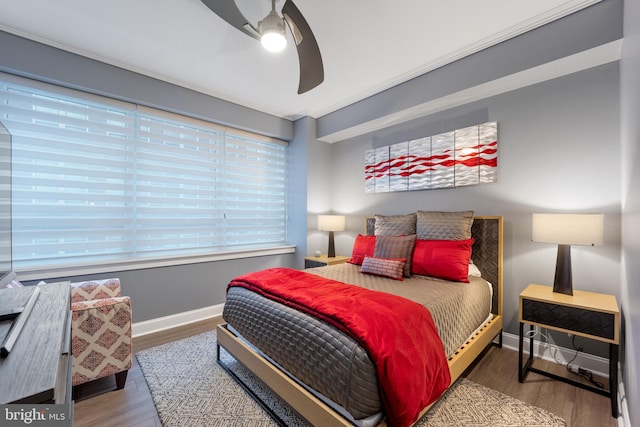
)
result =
(273, 41)
(272, 32)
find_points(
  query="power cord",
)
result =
(548, 343)
(578, 350)
(588, 375)
(584, 373)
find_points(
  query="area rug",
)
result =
(190, 389)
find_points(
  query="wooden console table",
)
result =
(38, 367)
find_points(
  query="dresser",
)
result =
(37, 370)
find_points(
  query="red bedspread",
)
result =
(399, 335)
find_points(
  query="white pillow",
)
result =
(474, 270)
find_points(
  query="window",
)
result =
(97, 180)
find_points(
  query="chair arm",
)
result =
(91, 316)
(102, 305)
(95, 289)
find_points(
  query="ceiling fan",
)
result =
(272, 28)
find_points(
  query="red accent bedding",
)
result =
(399, 334)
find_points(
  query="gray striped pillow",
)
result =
(396, 247)
(393, 268)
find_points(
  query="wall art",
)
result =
(467, 156)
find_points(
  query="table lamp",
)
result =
(331, 223)
(566, 230)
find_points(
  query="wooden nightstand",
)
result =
(587, 314)
(322, 260)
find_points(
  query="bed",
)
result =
(326, 374)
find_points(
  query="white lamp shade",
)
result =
(568, 229)
(331, 222)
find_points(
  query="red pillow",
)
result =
(363, 246)
(445, 259)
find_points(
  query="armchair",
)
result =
(100, 331)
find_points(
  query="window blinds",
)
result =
(96, 179)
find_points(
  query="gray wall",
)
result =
(559, 151)
(319, 192)
(163, 291)
(630, 125)
(158, 292)
(304, 131)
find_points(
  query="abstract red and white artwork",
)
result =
(467, 156)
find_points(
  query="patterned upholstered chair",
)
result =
(100, 331)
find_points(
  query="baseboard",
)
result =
(597, 365)
(172, 321)
(623, 419)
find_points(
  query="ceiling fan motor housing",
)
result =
(272, 32)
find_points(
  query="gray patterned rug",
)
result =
(190, 389)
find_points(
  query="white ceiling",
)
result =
(367, 45)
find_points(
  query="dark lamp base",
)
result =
(331, 253)
(562, 283)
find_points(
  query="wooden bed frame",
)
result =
(488, 232)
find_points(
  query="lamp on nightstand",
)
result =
(567, 230)
(331, 223)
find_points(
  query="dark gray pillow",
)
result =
(395, 225)
(436, 225)
(396, 247)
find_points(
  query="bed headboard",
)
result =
(487, 232)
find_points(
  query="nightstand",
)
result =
(587, 314)
(322, 260)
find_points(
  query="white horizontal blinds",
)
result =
(255, 190)
(5, 200)
(72, 175)
(179, 185)
(101, 180)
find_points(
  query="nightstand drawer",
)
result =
(573, 319)
(324, 260)
(309, 263)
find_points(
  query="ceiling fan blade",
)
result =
(227, 10)
(311, 69)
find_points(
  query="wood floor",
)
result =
(97, 406)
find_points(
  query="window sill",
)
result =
(47, 273)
